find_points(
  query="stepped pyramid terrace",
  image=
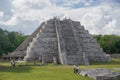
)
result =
(61, 41)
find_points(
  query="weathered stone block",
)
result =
(100, 74)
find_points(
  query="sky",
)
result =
(97, 16)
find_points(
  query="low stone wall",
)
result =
(115, 55)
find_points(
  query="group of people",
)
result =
(76, 69)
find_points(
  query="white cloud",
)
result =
(45, 10)
(23, 5)
(95, 19)
(41, 3)
(101, 19)
(10, 22)
(73, 2)
(111, 28)
(1, 13)
(19, 4)
(36, 14)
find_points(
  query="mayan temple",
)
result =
(65, 41)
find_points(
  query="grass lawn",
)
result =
(49, 72)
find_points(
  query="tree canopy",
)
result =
(109, 43)
(9, 41)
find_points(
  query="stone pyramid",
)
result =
(65, 41)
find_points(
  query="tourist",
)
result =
(13, 62)
(75, 67)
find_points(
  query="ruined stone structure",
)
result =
(65, 41)
(100, 74)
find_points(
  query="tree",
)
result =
(117, 46)
(9, 41)
(109, 43)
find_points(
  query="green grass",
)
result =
(49, 72)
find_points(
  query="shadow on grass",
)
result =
(17, 69)
(112, 62)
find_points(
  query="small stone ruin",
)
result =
(100, 74)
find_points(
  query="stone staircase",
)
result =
(70, 49)
(44, 44)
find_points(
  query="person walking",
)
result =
(13, 62)
(76, 69)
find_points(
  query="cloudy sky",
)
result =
(98, 16)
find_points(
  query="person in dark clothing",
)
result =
(75, 68)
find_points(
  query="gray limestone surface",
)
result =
(65, 40)
(100, 74)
